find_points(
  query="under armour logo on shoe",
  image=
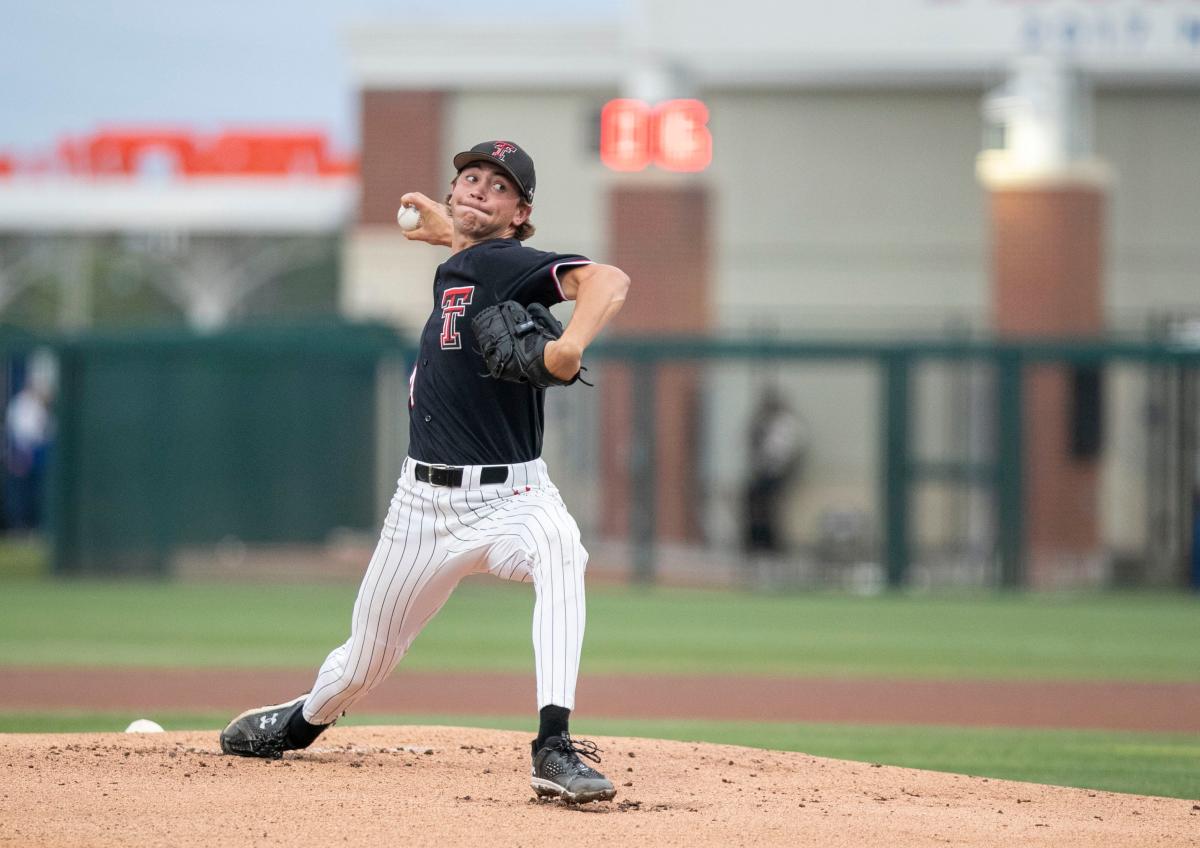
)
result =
(267, 720)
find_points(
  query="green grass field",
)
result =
(486, 626)
(1140, 637)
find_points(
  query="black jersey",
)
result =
(457, 414)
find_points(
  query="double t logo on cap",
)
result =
(502, 149)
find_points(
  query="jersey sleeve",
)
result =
(539, 278)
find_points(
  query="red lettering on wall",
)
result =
(181, 153)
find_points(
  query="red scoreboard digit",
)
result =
(673, 135)
(684, 142)
(625, 143)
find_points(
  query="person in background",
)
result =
(777, 445)
(29, 431)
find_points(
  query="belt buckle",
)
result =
(445, 475)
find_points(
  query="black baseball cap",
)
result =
(509, 157)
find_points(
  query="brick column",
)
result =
(401, 150)
(1047, 267)
(384, 277)
(659, 235)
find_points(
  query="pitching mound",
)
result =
(443, 786)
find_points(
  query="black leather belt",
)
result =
(452, 475)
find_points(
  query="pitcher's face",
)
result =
(485, 203)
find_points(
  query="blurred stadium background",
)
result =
(956, 242)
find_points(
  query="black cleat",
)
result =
(559, 773)
(261, 732)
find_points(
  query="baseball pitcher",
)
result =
(474, 494)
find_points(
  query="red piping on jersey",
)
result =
(554, 273)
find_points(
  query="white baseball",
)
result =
(144, 725)
(408, 218)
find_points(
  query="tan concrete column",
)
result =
(1047, 267)
(659, 235)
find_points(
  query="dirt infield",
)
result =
(440, 786)
(1098, 705)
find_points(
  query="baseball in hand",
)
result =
(408, 218)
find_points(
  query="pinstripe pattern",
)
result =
(432, 538)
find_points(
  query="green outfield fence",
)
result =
(167, 439)
(283, 434)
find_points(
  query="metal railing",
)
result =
(901, 469)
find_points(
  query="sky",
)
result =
(71, 66)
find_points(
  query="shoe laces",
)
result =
(576, 748)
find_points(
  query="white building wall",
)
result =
(848, 211)
(1152, 140)
(842, 213)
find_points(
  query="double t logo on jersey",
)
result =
(454, 306)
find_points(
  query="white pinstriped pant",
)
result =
(432, 538)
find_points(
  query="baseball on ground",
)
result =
(144, 725)
(408, 218)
